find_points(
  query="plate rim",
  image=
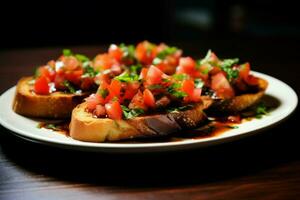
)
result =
(157, 146)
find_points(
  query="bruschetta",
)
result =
(56, 88)
(132, 105)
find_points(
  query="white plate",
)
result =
(27, 128)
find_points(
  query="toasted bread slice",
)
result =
(57, 105)
(241, 102)
(85, 127)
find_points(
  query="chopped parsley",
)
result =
(82, 58)
(173, 90)
(128, 51)
(135, 69)
(67, 52)
(226, 66)
(131, 113)
(88, 70)
(167, 51)
(52, 127)
(180, 77)
(127, 77)
(69, 86)
(260, 110)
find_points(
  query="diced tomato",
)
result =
(252, 80)
(149, 99)
(87, 83)
(244, 70)
(114, 110)
(47, 72)
(104, 61)
(137, 101)
(41, 86)
(100, 78)
(115, 52)
(220, 84)
(93, 100)
(213, 58)
(131, 90)
(145, 52)
(188, 64)
(59, 80)
(100, 111)
(215, 70)
(154, 75)
(143, 73)
(197, 95)
(74, 76)
(115, 87)
(70, 63)
(188, 87)
(116, 69)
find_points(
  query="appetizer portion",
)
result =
(56, 88)
(140, 104)
(229, 83)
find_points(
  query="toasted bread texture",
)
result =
(85, 127)
(240, 102)
(57, 105)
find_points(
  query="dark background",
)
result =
(61, 23)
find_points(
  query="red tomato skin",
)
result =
(41, 86)
(104, 61)
(188, 87)
(197, 95)
(188, 64)
(114, 110)
(145, 52)
(100, 111)
(115, 52)
(48, 73)
(154, 75)
(244, 71)
(143, 73)
(221, 85)
(138, 101)
(149, 99)
(93, 100)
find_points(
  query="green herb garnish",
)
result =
(260, 110)
(167, 51)
(131, 113)
(69, 86)
(227, 67)
(128, 51)
(127, 77)
(180, 77)
(89, 71)
(135, 69)
(173, 90)
(82, 58)
(67, 52)
(52, 127)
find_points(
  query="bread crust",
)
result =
(57, 105)
(85, 127)
(241, 102)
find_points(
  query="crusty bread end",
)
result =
(57, 105)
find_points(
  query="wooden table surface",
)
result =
(264, 166)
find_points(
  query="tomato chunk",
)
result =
(188, 87)
(41, 86)
(188, 64)
(115, 52)
(149, 99)
(114, 110)
(145, 52)
(222, 86)
(154, 75)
